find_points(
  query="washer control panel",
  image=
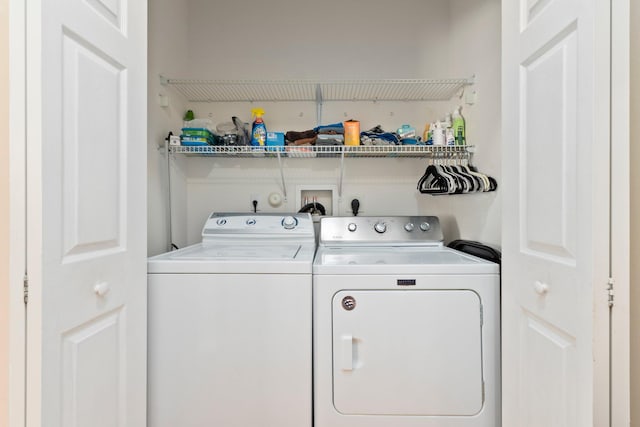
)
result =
(386, 230)
(255, 225)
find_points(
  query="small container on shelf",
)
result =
(275, 141)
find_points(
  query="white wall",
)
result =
(288, 39)
(635, 214)
(332, 39)
(4, 213)
(167, 55)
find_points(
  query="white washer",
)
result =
(406, 331)
(230, 325)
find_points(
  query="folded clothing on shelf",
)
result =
(330, 137)
(377, 136)
(335, 128)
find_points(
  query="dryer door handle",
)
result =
(346, 352)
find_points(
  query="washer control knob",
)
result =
(425, 226)
(409, 226)
(380, 227)
(251, 221)
(289, 222)
(221, 221)
(352, 227)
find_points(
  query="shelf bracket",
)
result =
(318, 105)
(284, 186)
(163, 80)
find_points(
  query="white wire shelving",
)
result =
(292, 151)
(318, 91)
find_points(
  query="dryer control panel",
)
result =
(381, 231)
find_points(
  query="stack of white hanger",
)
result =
(454, 175)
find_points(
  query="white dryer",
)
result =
(406, 331)
(230, 325)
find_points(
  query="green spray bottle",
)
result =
(457, 123)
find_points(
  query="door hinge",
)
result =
(610, 291)
(25, 289)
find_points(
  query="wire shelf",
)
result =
(314, 90)
(419, 151)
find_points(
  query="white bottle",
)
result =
(451, 140)
(438, 134)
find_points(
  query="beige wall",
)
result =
(4, 213)
(635, 212)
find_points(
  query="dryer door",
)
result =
(416, 352)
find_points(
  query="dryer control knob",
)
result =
(425, 226)
(380, 227)
(289, 222)
(409, 226)
(352, 227)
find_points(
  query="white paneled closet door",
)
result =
(86, 226)
(555, 103)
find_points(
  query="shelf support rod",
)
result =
(169, 220)
(341, 173)
(284, 186)
(318, 105)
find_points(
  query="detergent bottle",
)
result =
(259, 130)
(459, 128)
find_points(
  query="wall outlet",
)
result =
(255, 197)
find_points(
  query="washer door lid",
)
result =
(407, 352)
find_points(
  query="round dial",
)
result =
(380, 227)
(251, 221)
(289, 222)
(409, 226)
(221, 221)
(425, 226)
(352, 226)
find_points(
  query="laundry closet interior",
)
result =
(298, 41)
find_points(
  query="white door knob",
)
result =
(101, 289)
(541, 288)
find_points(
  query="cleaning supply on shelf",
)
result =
(425, 133)
(259, 130)
(438, 134)
(458, 127)
(451, 140)
(428, 138)
(406, 131)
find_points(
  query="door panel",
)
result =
(93, 372)
(408, 353)
(546, 375)
(87, 206)
(548, 139)
(92, 149)
(555, 107)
